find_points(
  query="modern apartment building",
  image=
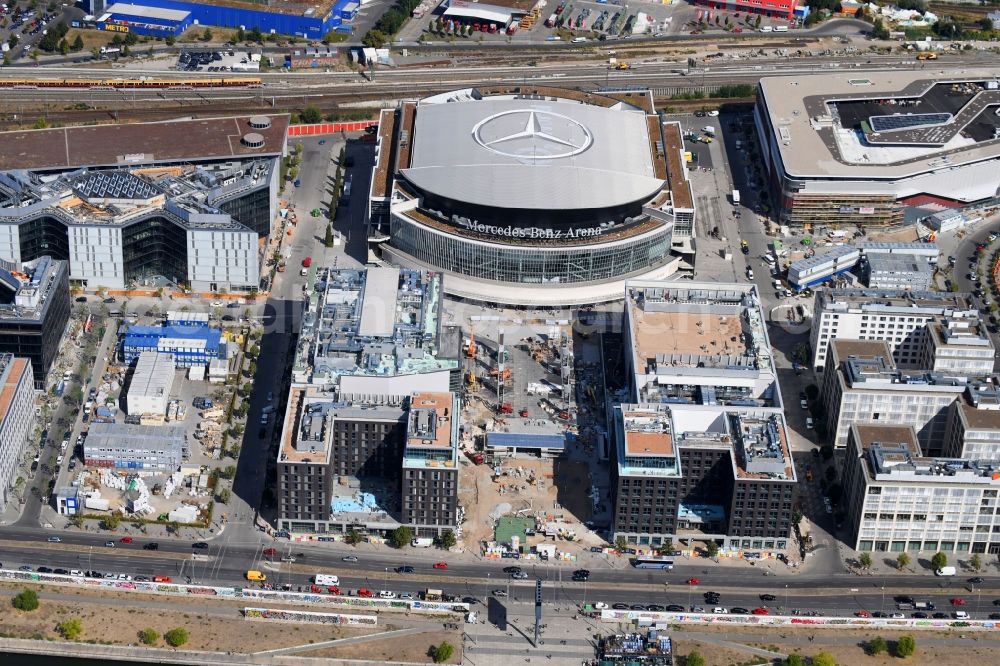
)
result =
(698, 343)
(376, 335)
(686, 473)
(369, 467)
(17, 416)
(34, 309)
(861, 384)
(899, 500)
(974, 423)
(430, 464)
(957, 346)
(897, 317)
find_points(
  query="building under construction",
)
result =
(653, 649)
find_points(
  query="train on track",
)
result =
(132, 84)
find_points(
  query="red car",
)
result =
(440, 565)
(333, 589)
(365, 592)
(270, 552)
(958, 601)
(693, 581)
(761, 611)
(126, 539)
(161, 579)
(863, 613)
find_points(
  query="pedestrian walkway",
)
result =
(340, 642)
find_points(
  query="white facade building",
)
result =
(17, 402)
(149, 390)
(974, 424)
(897, 317)
(958, 346)
(218, 258)
(898, 500)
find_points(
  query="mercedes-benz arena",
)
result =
(534, 197)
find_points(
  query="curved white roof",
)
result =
(532, 153)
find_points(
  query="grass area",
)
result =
(413, 648)
(91, 38)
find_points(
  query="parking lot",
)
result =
(221, 60)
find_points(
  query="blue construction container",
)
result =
(190, 345)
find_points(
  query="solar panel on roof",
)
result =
(900, 121)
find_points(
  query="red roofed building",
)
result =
(784, 9)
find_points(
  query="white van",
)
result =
(766, 28)
(961, 615)
(837, 235)
(945, 571)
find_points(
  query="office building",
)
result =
(565, 194)
(897, 317)
(861, 384)
(957, 346)
(149, 389)
(686, 473)
(188, 345)
(370, 467)
(430, 464)
(376, 335)
(186, 201)
(897, 271)
(34, 309)
(973, 430)
(872, 149)
(135, 447)
(698, 343)
(17, 416)
(899, 500)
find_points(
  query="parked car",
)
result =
(440, 565)
(349, 558)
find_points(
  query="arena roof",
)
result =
(137, 143)
(532, 153)
(800, 117)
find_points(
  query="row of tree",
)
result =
(390, 23)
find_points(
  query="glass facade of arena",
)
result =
(528, 264)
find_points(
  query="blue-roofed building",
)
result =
(142, 20)
(822, 267)
(544, 445)
(190, 345)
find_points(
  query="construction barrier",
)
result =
(329, 128)
(276, 615)
(282, 596)
(729, 619)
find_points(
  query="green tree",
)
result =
(374, 39)
(621, 544)
(865, 560)
(877, 646)
(240, 36)
(902, 561)
(401, 537)
(110, 522)
(76, 520)
(756, 22)
(976, 562)
(879, 30)
(171, 40)
(694, 658)
(256, 35)
(311, 115)
(41, 123)
(352, 537)
(448, 539)
(905, 646)
(26, 601)
(176, 637)
(63, 46)
(793, 660)
(328, 239)
(939, 561)
(824, 659)
(443, 652)
(712, 549)
(207, 35)
(71, 628)
(148, 636)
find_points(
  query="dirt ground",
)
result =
(91, 38)
(480, 494)
(120, 624)
(413, 648)
(845, 654)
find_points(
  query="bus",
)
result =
(653, 562)
(326, 579)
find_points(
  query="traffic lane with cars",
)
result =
(107, 561)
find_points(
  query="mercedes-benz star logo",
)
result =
(530, 134)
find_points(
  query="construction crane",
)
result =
(470, 351)
(473, 384)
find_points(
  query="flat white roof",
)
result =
(495, 15)
(141, 11)
(378, 309)
(536, 153)
(153, 376)
(797, 110)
